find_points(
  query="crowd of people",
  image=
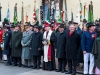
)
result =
(70, 44)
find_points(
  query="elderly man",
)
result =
(35, 46)
(72, 49)
(60, 44)
(49, 52)
(16, 46)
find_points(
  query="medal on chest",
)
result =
(93, 36)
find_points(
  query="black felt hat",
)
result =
(62, 26)
(84, 20)
(89, 24)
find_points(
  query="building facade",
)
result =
(29, 7)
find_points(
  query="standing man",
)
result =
(78, 31)
(16, 46)
(7, 48)
(36, 46)
(26, 52)
(49, 46)
(72, 49)
(87, 41)
(61, 44)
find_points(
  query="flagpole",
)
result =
(66, 13)
(8, 13)
(0, 12)
(22, 18)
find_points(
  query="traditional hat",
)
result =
(36, 26)
(70, 22)
(12, 25)
(61, 26)
(46, 24)
(84, 20)
(89, 24)
(96, 20)
(75, 22)
(40, 27)
(26, 23)
(7, 26)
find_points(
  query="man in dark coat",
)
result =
(7, 49)
(72, 49)
(16, 46)
(36, 45)
(96, 53)
(60, 47)
(79, 31)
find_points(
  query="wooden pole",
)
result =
(22, 18)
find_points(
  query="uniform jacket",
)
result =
(7, 48)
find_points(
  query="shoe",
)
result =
(73, 73)
(38, 67)
(19, 65)
(8, 64)
(14, 64)
(28, 66)
(69, 72)
(58, 70)
(63, 71)
(34, 68)
(24, 65)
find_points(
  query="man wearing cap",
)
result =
(7, 48)
(60, 47)
(49, 52)
(36, 46)
(72, 49)
(16, 46)
(87, 41)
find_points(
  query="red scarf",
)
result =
(70, 34)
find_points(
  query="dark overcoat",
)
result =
(61, 44)
(36, 44)
(96, 52)
(7, 48)
(72, 46)
(15, 44)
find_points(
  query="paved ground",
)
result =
(11, 70)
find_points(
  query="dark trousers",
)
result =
(9, 61)
(72, 64)
(0, 53)
(17, 59)
(61, 63)
(37, 61)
